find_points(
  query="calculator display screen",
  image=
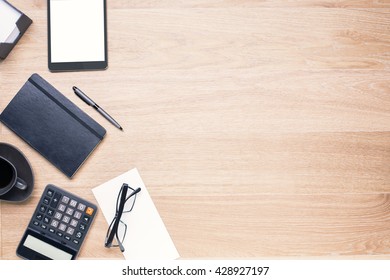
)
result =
(46, 249)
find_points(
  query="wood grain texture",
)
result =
(279, 225)
(261, 128)
(167, 4)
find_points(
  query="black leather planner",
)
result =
(52, 125)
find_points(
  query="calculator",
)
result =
(58, 226)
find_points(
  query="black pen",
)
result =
(90, 102)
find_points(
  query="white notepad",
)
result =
(147, 237)
(8, 18)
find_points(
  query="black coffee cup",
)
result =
(9, 177)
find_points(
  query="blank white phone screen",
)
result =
(77, 30)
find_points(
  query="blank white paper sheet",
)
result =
(147, 237)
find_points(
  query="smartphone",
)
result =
(77, 35)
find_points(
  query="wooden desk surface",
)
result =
(261, 128)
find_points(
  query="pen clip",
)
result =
(84, 97)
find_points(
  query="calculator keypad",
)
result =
(62, 216)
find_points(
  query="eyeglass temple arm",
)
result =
(134, 193)
(118, 214)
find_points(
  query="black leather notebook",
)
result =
(52, 125)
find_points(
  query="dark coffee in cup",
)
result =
(6, 173)
(9, 177)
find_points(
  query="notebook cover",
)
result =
(52, 125)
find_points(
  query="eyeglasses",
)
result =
(124, 204)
